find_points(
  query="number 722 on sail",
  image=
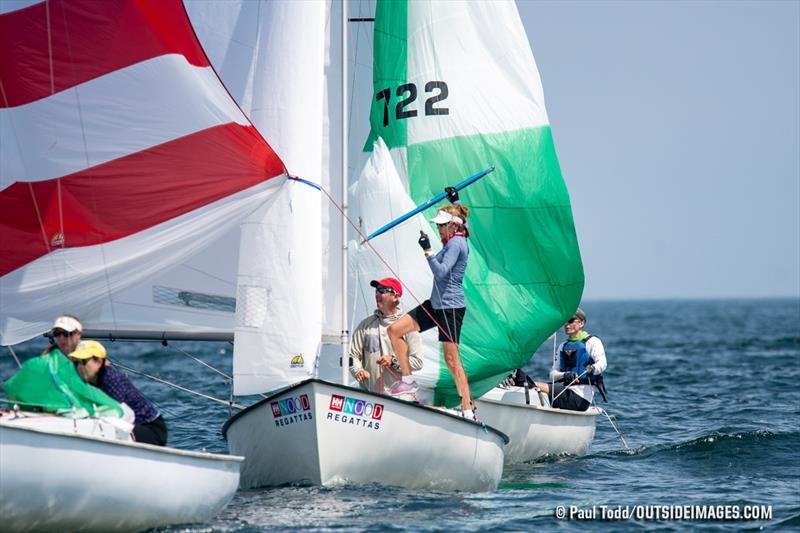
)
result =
(438, 88)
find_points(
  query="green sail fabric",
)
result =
(457, 90)
(51, 382)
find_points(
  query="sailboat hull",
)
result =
(320, 433)
(536, 430)
(70, 482)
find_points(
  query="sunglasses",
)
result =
(62, 333)
(384, 290)
(573, 320)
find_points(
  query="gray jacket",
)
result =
(370, 341)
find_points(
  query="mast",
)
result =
(345, 146)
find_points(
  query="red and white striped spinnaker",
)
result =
(126, 167)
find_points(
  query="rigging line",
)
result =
(92, 193)
(208, 274)
(178, 387)
(39, 217)
(49, 46)
(14, 355)
(353, 76)
(566, 386)
(383, 260)
(377, 254)
(555, 350)
(624, 443)
(356, 293)
(3, 94)
(190, 356)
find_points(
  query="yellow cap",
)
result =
(88, 349)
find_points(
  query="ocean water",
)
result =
(706, 393)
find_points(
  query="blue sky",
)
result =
(678, 130)
(677, 126)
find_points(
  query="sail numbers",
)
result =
(407, 93)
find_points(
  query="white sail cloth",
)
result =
(126, 169)
(272, 57)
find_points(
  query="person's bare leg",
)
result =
(453, 362)
(544, 387)
(405, 324)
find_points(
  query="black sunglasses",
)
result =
(573, 319)
(384, 290)
(62, 333)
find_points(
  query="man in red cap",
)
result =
(371, 352)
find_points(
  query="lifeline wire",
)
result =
(190, 356)
(173, 385)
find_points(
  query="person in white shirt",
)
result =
(581, 359)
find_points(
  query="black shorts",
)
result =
(449, 320)
(154, 432)
(570, 400)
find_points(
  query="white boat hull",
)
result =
(536, 430)
(320, 433)
(71, 482)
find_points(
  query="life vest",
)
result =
(575, 358)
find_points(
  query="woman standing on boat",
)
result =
(446, 307)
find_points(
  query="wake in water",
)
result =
(717, 442)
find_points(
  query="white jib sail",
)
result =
(279, 296)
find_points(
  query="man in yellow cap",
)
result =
(93, 365)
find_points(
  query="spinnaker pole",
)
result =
(422, 207)
(345, 146)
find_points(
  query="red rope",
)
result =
(379, 256)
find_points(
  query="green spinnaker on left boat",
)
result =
(456, 90)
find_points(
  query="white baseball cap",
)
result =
(67, 323)
(443, 217)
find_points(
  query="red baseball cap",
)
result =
(388, 282)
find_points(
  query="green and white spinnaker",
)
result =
(456, 90)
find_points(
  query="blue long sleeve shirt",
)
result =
(117, 385)
(448, 267)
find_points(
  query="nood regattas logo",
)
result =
(356, 412)
(291, 410)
